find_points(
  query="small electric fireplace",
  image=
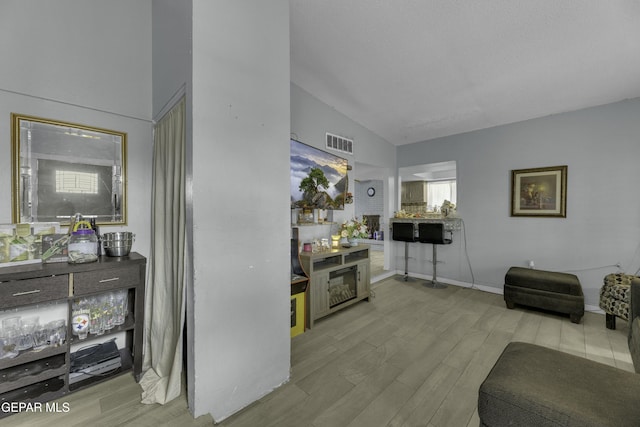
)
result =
(343, 285)
(338, 278)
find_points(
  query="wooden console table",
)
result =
(338, 279)
(41, 376)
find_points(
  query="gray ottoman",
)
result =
(549, 290)
(536, 386)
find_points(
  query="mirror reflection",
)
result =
(60, 169)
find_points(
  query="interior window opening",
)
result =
(424, 188)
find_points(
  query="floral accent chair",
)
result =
(614, 297)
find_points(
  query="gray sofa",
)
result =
(531, 385)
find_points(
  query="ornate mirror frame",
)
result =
(60, 168)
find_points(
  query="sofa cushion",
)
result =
(532, 385)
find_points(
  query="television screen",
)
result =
(318, 179)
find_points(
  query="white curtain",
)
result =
(439, 191)
(165, 302)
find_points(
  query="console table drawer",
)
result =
(32, 291)
(102, 280)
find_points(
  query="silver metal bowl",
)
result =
(118, 243)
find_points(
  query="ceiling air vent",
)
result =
(339, 143)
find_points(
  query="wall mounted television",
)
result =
(308, 167)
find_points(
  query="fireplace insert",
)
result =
(343, 285)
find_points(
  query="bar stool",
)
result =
(433, 232)
(404, 232)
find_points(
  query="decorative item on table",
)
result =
(54, 248)
(314, 246)
(7, 232)
(96, 229)
(402, 214)
(73, 220)
(26, 333)
(448, 209)
(10, 333)
(305, 216)
(118, 243)
(24, 245)
(322, 215)
(98, 314)
(40, 231)
(335, 240)
(83, 244)
(419, 215)
(80, 318)
(52, 334)
(352, 230)
(21, 244)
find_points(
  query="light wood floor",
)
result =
(377, 263)
(412, 356)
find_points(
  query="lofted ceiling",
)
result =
(414, 70)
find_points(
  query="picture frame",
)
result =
(60, 168)
(319, 179)
(539, 192)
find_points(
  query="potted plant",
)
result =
(354, 229)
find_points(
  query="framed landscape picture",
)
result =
(310, 166)
(539, 192)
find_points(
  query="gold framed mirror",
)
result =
(59, 169)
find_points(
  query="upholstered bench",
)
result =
(534, 386)
(549, 290)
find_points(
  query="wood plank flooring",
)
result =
(412, 356)
(377, 263)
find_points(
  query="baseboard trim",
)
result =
(382, 277)
(490, 289)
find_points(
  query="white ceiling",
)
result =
(413, 70)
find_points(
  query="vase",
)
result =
(353, 242)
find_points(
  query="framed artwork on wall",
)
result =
(539, 192)
(319, 179)
(61, 168)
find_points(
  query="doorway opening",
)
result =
(371, 201)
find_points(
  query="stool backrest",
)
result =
(432, 232)
(403, 231)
